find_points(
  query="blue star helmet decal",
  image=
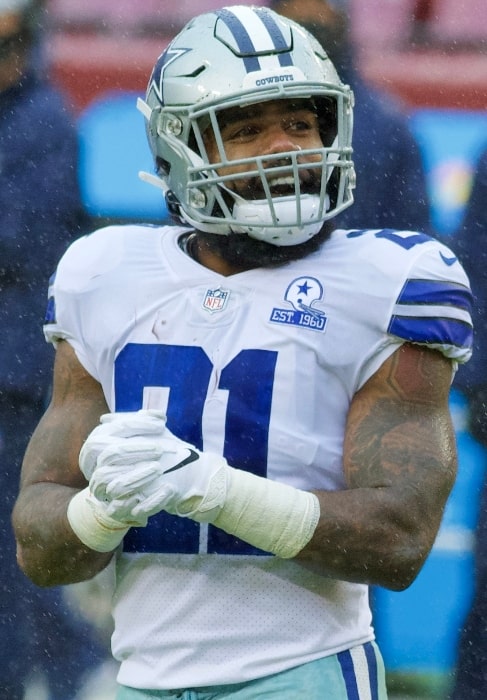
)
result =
(163, 62)
(303, 292)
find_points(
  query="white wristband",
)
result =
(275, 517)
(91, 525)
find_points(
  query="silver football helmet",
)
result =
(234, 57)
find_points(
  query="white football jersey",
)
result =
(261, 367)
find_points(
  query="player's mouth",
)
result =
(284, 185)
(278, 178)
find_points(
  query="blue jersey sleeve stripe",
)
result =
(50, 316)
(443, 331)
(436, 292)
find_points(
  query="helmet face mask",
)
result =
(213, 69)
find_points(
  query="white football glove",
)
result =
(88, 516)
(114, 428)
(138, 479)
(136, 468)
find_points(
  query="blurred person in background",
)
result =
(471, 246)
(40, 212)
(391, 184)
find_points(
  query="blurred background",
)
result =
(430, 56)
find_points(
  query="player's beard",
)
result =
(240, 250)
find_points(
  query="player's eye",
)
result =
(301, 122)
(239, 132)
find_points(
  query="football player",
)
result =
(250, 409)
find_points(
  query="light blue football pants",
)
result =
(357, 674)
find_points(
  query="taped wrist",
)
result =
(275, 517)
(92, 525)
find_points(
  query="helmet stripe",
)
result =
(244, 42)
(255, 32)
(277, 36)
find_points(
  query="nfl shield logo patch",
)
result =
(215, 299)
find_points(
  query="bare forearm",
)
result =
(362, 537)
(400, 465)
(48, 551)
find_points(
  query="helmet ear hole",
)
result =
(192, 143)
(327, 119)
(163, 167)
(333, 188)
(174, 207)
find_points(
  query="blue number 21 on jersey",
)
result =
(185, 372)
